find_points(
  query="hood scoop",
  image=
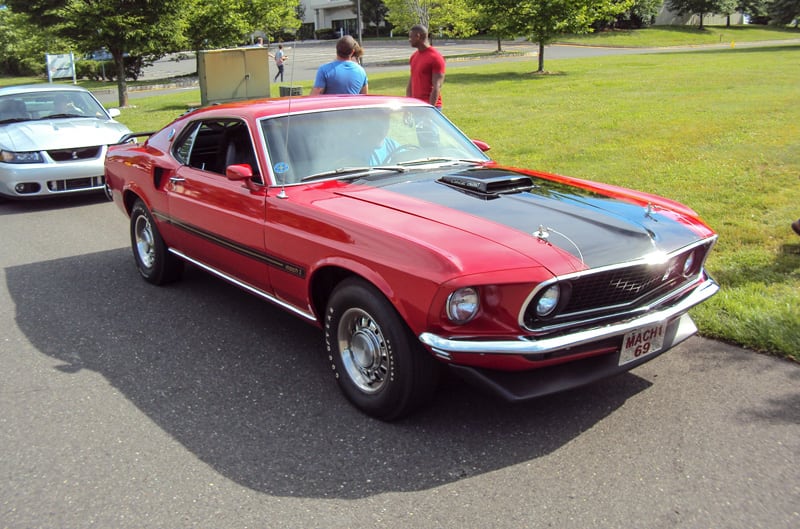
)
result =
(488, 183)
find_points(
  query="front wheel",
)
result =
(154, 262)
(378, 363)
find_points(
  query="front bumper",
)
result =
(518, 386)
(515, 386)
(51, 179)
(533, 348)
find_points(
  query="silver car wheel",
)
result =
(145, 242)
(362, 347)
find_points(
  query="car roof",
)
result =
(258, 108)
(44, 87)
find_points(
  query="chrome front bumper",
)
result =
(444, 347)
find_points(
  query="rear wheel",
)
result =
(154, 262)
(379, 364)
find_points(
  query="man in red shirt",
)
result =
(427, 68)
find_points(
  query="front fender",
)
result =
(410, 295)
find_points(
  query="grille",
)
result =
(610, 293)
(82, 153)
(617, 287)
(75, 184)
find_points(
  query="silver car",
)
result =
(53, 140)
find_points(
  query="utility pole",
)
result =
(358, 21)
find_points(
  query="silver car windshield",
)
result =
(52, 104)
(341, 143)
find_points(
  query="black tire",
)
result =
(378, 363)
(154, 262)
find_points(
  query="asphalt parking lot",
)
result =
(196, 405)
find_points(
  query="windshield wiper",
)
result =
(352, 172)
(51, 116)
(13, 120)
(442, 160)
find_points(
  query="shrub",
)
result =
(326, 34)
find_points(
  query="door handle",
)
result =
(176, 179)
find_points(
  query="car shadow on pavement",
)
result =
(245, 387)
(16, 207)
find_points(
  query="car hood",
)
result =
(522, 212)
(60, 134)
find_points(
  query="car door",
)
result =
(222, 220)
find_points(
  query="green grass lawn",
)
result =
(682, 36)
(718, 130)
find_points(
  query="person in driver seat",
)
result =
(375, 130)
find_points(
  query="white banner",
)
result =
(60, 66)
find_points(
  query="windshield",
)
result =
(51, 104)
(327, 143)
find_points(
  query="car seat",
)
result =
(236, 148)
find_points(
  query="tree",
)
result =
(492, 25)
(641, 14)
(273, 16)
(23, 45)
(373, 13)
(452, 18)
(216, 24)
(142, 28)
(44, 11)
(544, 20)
(702, 7)
(757, 10)
(224, 23)
(784, 12)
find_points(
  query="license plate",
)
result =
(642, 342)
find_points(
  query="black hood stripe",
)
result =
(598, 229)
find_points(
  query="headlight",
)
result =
(463, 305)
(688, 264)
(548, 300)
(20, 157)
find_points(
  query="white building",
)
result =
(339, 15)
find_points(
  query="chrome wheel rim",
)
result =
(363, 350)
(145, 244)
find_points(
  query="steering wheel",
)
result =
(395, 156)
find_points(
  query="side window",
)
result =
(182, 149)
(198, 145)
(213, 145)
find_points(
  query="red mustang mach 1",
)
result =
(376, 219)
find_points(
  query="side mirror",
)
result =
(114, 112)
(239, 171)
(482, 145)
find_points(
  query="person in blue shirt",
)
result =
(342, 76)
(371, 131)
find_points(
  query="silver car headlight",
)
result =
(20, 157)
(463, 305)
(548, 300)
